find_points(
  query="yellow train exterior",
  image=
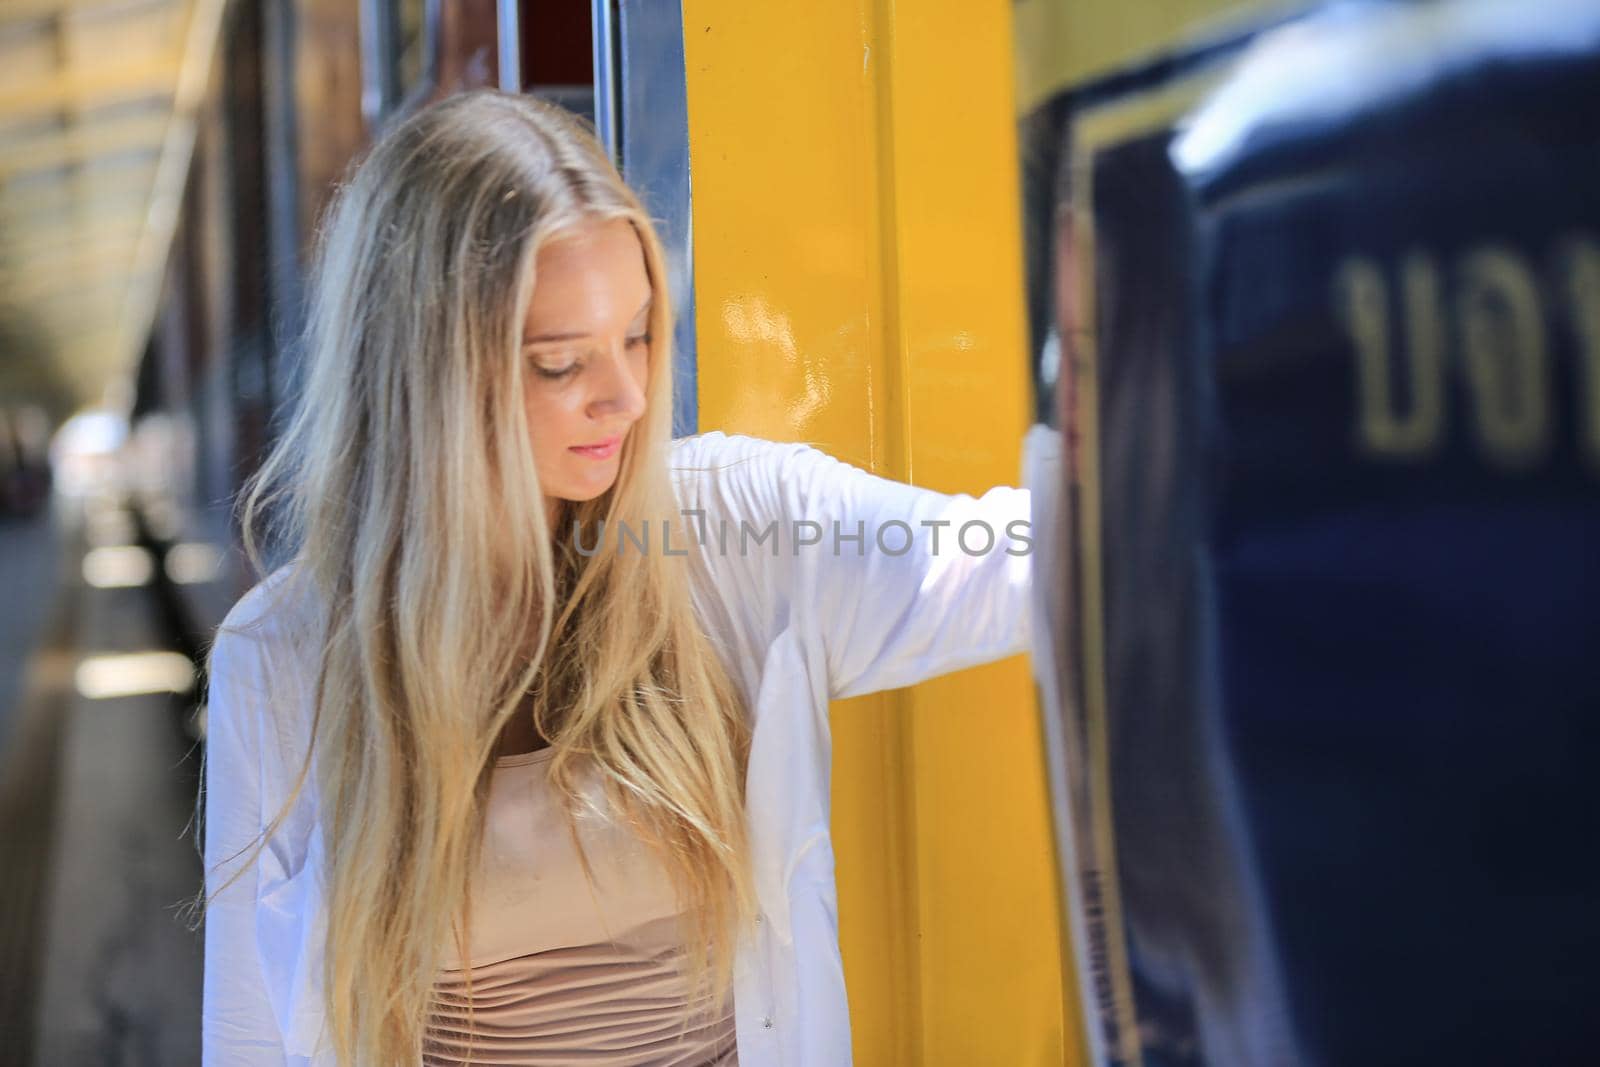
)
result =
(858, 279)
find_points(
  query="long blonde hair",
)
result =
(409, 459)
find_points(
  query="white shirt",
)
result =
(813, 622)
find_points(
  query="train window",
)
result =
(399, 42)
(555, 41)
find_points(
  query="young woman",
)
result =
(524, 758)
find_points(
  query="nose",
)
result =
(619, 389)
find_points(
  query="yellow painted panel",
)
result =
(788, 281)
(782, 155)
(991, 949)
(858, 284)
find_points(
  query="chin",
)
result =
(582, 494)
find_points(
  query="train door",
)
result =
(858, 285)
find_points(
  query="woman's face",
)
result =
(587, 344)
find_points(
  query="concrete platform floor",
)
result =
(97, 794)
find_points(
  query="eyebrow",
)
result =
(546, 338)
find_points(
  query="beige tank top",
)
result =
(563, 973)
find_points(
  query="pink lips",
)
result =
(604, 450)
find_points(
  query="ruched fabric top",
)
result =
(562, 972)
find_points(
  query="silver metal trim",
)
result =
(508, 39)
(372, 30)
(651, 112)
(432, 18)
(605, 75)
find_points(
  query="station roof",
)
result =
(98, 106)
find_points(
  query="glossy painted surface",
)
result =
(859, 285)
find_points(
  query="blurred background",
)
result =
(1301, 769)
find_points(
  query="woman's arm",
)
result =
(897, 584)
(237, 1022)
(936, 583)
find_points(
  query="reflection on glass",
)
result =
(409, 57)
(397, 55)
(1320, 306)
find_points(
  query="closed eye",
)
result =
(555, 372)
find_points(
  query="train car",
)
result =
(838, 189)
(1322, 288)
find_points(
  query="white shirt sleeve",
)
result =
(898, 583)
(238, 1028)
